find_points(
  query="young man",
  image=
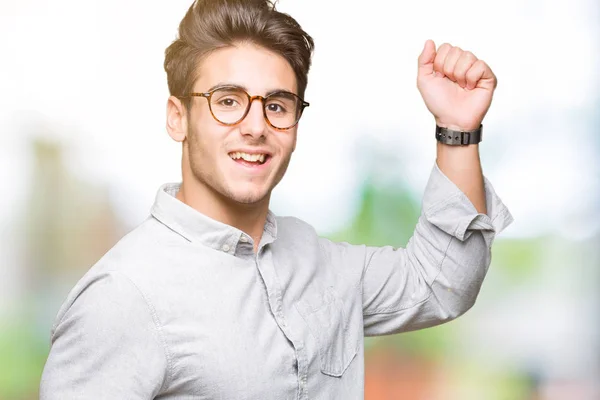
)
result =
(213, 296)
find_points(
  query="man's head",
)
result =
(250, 45)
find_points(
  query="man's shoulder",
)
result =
(124, 269)
(142, 245)
(99, 294)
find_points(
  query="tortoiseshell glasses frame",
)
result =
(299, 105)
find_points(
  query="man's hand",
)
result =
(457, 87)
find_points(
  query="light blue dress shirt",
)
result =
(182, 307)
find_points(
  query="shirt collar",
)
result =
(197, 227)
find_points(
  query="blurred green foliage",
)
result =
(520, 259)
(386, 216)
(22, 357)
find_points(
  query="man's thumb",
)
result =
(426, 58)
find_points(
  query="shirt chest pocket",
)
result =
(331, 325)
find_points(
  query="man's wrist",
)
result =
(455, 137)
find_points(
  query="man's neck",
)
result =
(249, 218)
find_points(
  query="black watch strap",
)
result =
(457, 138)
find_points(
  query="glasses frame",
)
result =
(208, 96)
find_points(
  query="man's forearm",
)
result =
(457, 88)
(462, 166)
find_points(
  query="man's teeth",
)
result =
(248, 157)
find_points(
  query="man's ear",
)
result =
(176, 119)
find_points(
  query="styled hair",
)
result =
(209, 25)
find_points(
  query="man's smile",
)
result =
(252, 159)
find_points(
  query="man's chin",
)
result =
(250, 198)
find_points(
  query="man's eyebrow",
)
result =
(234, 85)
(270, 92)
(226, 84)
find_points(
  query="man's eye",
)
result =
(277, 108)
(228, 102)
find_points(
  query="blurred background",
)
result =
(83, 150)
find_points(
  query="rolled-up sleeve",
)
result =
(106, 344)
(438, 276)
(449, 209)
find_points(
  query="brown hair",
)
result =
(209, 25)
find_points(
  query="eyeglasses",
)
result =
(229, 105)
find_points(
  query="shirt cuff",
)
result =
(448, 208)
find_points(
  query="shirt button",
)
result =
(244, 239)
(225, 247)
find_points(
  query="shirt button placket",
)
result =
(303, 393)
(302, 370)
(275, 297)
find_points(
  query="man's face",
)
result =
(213, 147)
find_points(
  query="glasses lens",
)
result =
(282, 109)
(228, 104)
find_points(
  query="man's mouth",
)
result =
(248, 159)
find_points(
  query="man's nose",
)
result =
(254, 124)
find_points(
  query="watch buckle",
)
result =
(462, 137)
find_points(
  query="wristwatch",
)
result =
(458, 138)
